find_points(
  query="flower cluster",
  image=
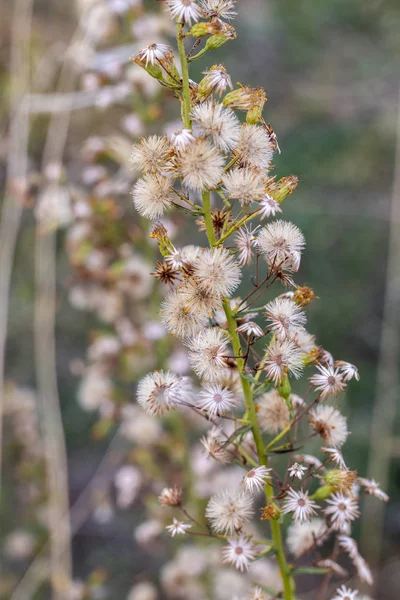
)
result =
(244, 359)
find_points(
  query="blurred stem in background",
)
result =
(17, 165)
(382, 443)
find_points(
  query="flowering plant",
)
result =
(217, 170)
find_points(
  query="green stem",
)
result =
(288, 584)
(198, 55)
(208, 219)
(238, 225)
(278, 437)
(186, 106)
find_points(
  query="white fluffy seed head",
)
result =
(245, 185)
(207, 353)
(229, 510)
(283, 358)
(330, 424)
(181, 139)
(281, 244)
(268, 207)
(153, 195)
(218, 123)
(254, 148)
(245, 242)
(273, 412)
(217, 271)
(201, 166)
(161, 391)
(286, 317)
(179, 318)
(304, 536)
(151, 154)
(200, 298)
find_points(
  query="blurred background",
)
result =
(331, 71)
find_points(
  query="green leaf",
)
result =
(310, 571)
(238, 432)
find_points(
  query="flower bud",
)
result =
(284, 187)
(303, 296)
(153, 70)
(160, 234)
(341, 479)
(270, 512)
(200, 30)
(285, 389)
(250, 99)
(219, 39)
(323, 492)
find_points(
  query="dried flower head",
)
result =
(344, 593)
(181, 139)
(286, 318)
(170, 497)
(255, 479)
(281, 244)
(254, 148)
(185, 11)
(153, 195)
(151, 154)
(207, 353)
(178, 527)
(217, 271)
(161, 391)
(283, 358)
(330, 424)
(268, 207)
(227, 511)
(342, 509)
(328, 381)
(245, 185)
(181, 319)
(201, 165)
(153, 54)
(218, 9)
(216, 80)
(215, 399)
(239, 552)
(300, 505)
(245, 241)
(218, 123)
(301, 537)
(372, 488)
(273, 412)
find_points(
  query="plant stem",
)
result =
(238, 225)
(208, 220)
(288, 584)
(186, 106)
